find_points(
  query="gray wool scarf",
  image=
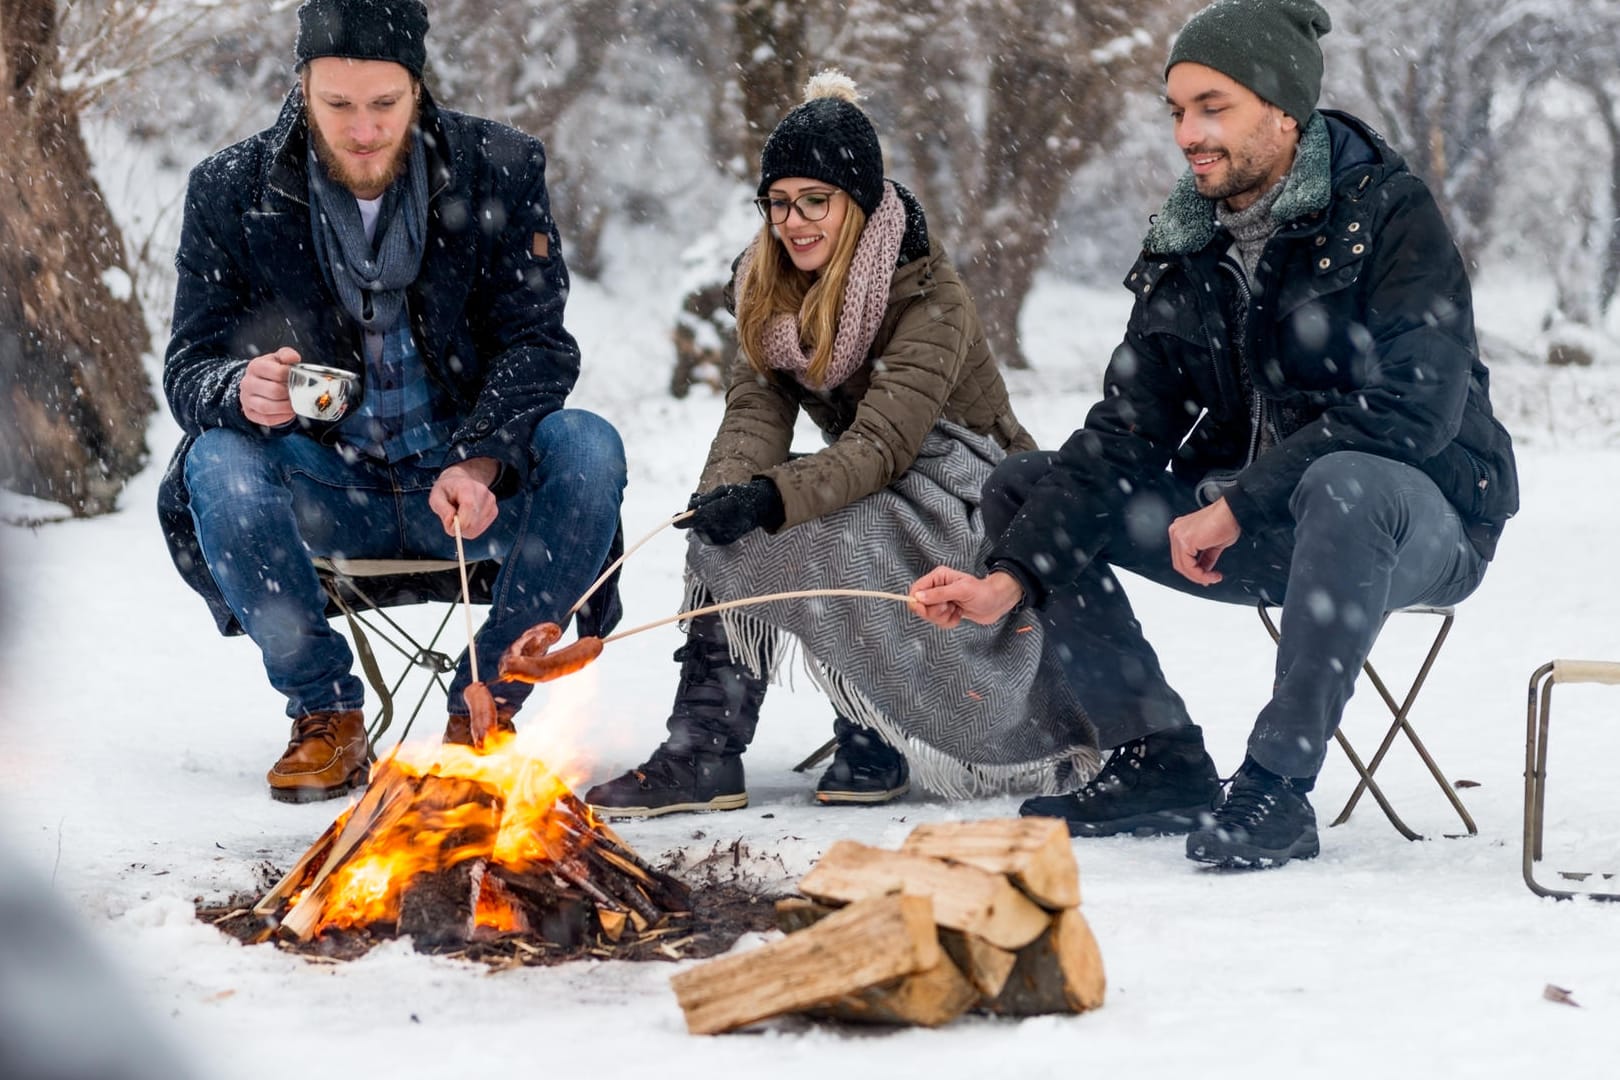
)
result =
(369, 283)
(977, 710)
(1252, 226)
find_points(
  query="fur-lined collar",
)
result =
(1186, 222)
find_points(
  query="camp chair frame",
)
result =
(1401, 723)
(1539, 719)
(367, 617)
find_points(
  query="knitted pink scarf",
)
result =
(866, 297)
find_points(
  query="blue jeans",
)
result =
(264, 507)
(1369, 535)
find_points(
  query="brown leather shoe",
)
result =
(458, 729)
(327, 756)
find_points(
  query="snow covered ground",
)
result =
(133, 743)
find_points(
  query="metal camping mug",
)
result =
(319, 392)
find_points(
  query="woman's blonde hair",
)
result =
(774, 286)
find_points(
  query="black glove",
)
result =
(732, 511)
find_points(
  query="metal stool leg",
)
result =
(1538, 721)
(817, 756)
(1399, 710)
(1402, 724)
(428, 656)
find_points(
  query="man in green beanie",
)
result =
(1298, 415)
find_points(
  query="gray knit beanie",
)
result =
(1270, 46)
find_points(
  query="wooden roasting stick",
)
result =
(631, 550)
(529, 658)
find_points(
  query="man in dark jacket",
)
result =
(412, 247)
(1298, 415)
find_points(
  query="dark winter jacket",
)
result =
(1359, 335)
(928, 361)
(486, 309)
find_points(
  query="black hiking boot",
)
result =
(866, 770)
(673, 783)
(699, 766)
(1153, 786)
(1265, 821)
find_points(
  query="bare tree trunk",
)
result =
(1051, 107)
(773, 63)
(74, 397)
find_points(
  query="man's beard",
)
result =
(1242, 175)
(360, 181)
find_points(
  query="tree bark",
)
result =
(74, 397)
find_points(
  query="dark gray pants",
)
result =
(1370, 535)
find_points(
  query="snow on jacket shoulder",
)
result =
(1360, 337)
(486, 309)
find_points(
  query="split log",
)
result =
(437, 909)
(302, 871)
(867, 944)
(392, 803)
(555, 911)
(984, 965)
(1062, 972)
(494, 895)
(612, 923)
(929, 998)
(1035, 853)
(795, 913)
(965, 897)
(386, 798)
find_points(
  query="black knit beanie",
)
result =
(828, 138)
(364, 30)
(1270, 46)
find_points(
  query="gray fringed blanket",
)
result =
(976, 709)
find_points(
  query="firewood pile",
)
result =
(965, 916)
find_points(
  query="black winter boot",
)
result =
(699, 766)
(672, 783)
(1156, 785)
(1265, 821)
(865, 770)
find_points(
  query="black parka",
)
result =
(486, 309)
(1357, 335)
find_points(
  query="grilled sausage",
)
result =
(551, 666)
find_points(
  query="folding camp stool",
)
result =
(1542, 682)
(1400, 711)
(411, 581)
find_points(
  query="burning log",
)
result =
(457, 846)
(440, 909)
(1005, 935)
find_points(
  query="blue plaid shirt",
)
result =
(403, 412)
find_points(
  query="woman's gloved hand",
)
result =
(731, 511)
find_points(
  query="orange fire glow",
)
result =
(494, 804)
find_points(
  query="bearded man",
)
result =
(413, 247)
(1298, 415)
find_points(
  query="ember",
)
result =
(450, 844)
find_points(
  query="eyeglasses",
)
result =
(812, 206)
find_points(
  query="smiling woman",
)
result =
(848, 309)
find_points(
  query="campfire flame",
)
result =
(497, 804)
(448, 843)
